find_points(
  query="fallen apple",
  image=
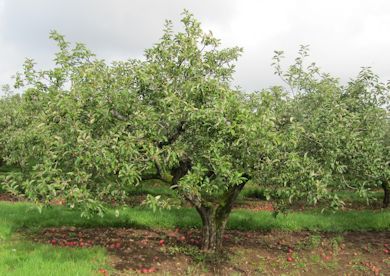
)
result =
(103, 271)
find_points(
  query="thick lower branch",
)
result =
(386, 196)
(178, 131)
(181, 170)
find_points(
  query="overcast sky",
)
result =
(343, 35)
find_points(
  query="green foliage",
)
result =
(343, 130)
(89, 131)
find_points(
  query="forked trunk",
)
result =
(214, 215)
(214, 218)
(386, 197)
(214, 222)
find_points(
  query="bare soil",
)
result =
(9, 197)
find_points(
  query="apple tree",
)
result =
(345, 127)
(94, 129)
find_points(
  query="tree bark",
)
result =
(214, 223)
(214, 215)
(214, 218)
(386, 197)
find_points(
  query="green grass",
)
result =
(151, 187)
(349, 196)
(16, 216)
(25, 258)
(19, 256)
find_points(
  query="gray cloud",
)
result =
(119, 26)
(344, 35)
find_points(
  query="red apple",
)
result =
(103, 271)
(161, 242)
(290, 259)
(182, 238)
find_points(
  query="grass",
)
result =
(151, 187)
(19, 256)
(16, 216)
(25, 258)
(349, 196)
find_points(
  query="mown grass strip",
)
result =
(21, 215)
(25, 258)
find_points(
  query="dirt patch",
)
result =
(10, 197)
(255, 205)
(250, 253)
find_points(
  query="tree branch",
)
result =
(155, 177)
(180, 171)
(231, 196)
(118, 115)
(178, 131)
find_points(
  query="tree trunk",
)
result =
(386, 197)
(214, 218)
(214, 215)
(214, 222)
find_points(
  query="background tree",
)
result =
(344, 126)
